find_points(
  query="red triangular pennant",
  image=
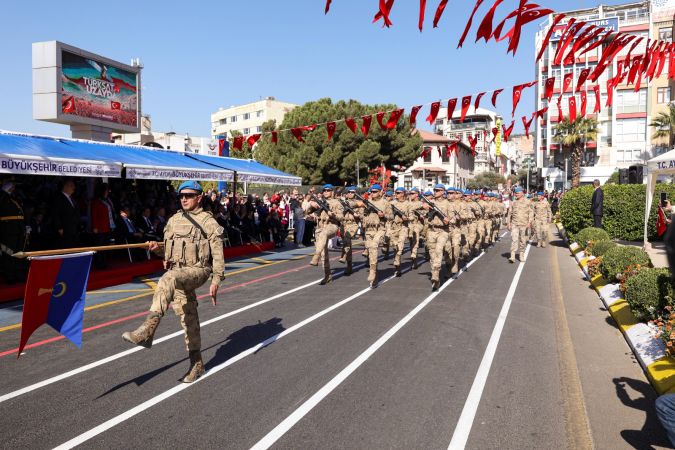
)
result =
(275, 137)
(573, 108)
(495, 94)
(365, 127)
(435, 107)
(393, 119)
(252, 139)
(477, 102)
(468, 24)
(584, 100)
(452, 103)
(507, 131)
(330, 128)
(379, 117)
(297, 132)
(596, 89)
(351, 124)
(550, 84)
(413, 114)
(466, 102)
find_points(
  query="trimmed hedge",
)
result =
(590, 234)
(624, 207)
(601, 247)
(648, 292)
(619, 258)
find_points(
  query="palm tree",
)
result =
(664, 126)
(574, 135)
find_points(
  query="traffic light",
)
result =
(635, 175)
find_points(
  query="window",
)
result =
(247, 116)
(427, 154)
(258, 129)
(666, 34)
(631, 102)
(629, 155)
(233, 119)
(631, 130)
(445, 154)
(247, 130)
(259, 113)
(222, 121)
(407, 182)
(663, 95)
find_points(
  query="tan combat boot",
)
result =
(522, 257)
(435, 284)
(348, 270)
(512, 259)
(144, 334)
(327, 278)
(543, 244)
(196, 369)
(372, 278)
(414, 263)
(397, 271)
(315, 260)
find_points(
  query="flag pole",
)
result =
(63, 251)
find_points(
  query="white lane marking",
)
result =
(465, 422)
(288, 423)
(100, 362)
(182, 386)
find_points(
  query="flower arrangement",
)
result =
(662, 328)
(629, 272)
(593, 267)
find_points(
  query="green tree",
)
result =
(318, 160)
(490, 180)
(573, 135)
(664, 126)
(245, 152)
(613, 178)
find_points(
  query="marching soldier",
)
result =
(329, 212)
(350, 225)
(483, 222)
(473, 242)
(454, 244)
(429, 195)
(388, 196)
(542, 219)
(399, 226)
(439, 232)
(416, 225)
(193, 250)
(376, 214)
(520, 220)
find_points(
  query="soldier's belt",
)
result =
(439, 228)
(7, 218)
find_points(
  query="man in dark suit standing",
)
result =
(596, 204)
(66, 217)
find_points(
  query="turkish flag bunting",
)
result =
(252, 139)
(517, 92)
(541, 112)
(507, 131)
(495, 94)
(662, 59)
(420, 21)
(413, 114)
(380, 116)
(485, 27)
(439, 12)
(584, 99)
(635, 66)
(610, 92)
(393, 118)
(466, 102)
(468, 24)
(472, 142)
(385, 9)
(477, 102)
(567, 81)
(452, 103)
(435, 107)
(596, 89)
(525, 16)
(454, 147)
(495, 131)
(560, 112)
(632, 47)
(566, 37)
(550, 84)
(351, 124)
(497, 33)
(597, 43)
(587, 36)
(330, 128)
(661, 225)
(583, 75)
(655, 58)
(671, 65)
(365, 127)
(327, 6)
(238, 142)
(527, 123)
(297, 132)
(275, 137)
(573, 108)
(425, 152)
(544, 44)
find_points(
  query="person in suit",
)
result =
(147, 226)
(596, 204)
(66, 216)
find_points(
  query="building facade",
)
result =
(248, 119)
(624, 135)
(167, 140)
(437, 164)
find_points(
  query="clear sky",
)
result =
(201, 55)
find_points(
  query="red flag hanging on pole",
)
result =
(573, 108)
(351, 124)
(413, 114)
(380, 116)
(452, 103)
(661, 224)
(495, 94)
(439, 12)
(477, 102)
(584, 99)
(435, 107)
(507, 131)
(252, 139)
(238, 142)
(466, 102)
(393, 118)
(366, 124)
(544, 43)
(596, 89)
(330, 128)
(275, 137)
(550, 84)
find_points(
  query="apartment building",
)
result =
(248, 119)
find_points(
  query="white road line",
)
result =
(465, 422)
(182, 386)
(298, 414)
(100, 362)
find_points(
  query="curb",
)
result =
(650, 352)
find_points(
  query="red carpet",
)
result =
(121, 271)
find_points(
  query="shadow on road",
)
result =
(641, 396)
(558, 243)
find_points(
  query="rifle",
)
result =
(482, 210)
(323, 206)
(346, 208)
(397, 212)
(434, 209)
(368, 204)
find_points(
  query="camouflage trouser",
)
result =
(496, 225)
(178, 286)
(323, 235)
(452, 249)
(348, 232)
(484, 227)
(397, 239)
(472, 241)
(518, 239)
(374, 237)
(541, 230)
(436, 239)
(414, 233)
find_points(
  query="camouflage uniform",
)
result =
(484, 224)
(520, 219)
(415, 229)
(473, 242)
(454, 243)
(350, 227)
(326, 229)
(542, 219)
(374, 229)
(437, 236)
(399, 230)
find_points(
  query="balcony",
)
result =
(468, 125)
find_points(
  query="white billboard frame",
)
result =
(48, 84)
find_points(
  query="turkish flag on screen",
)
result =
(115, 105)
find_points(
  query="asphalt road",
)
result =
(292, 364)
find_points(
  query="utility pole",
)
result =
(358, 181)
(565, 179)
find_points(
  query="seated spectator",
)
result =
(147, 227)
(127, 229)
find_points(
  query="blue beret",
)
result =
(439, 186)
(467, 192)
(400, 189)
(389, 193)
(328, 187)
(376, 187)
(540, 193)
(428, 192)
(194, 185)
(450, 189)
(351, 189)
(518, 189)
(415, 190)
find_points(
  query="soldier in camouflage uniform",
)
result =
(425, 231)
(193, 250)
(386, 241)
(473, 243)
(350, 226)
(439, 233)
(497, 217)
(519, 220)
(453, 246)
(416, 225)
(399, 228)
(327, 225)
(374, 224)
(542, 219)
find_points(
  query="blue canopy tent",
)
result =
(250, 170)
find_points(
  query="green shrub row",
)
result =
(648, 292)
(601, 247)
(589, 234)
(619, 258)
(624, 207)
